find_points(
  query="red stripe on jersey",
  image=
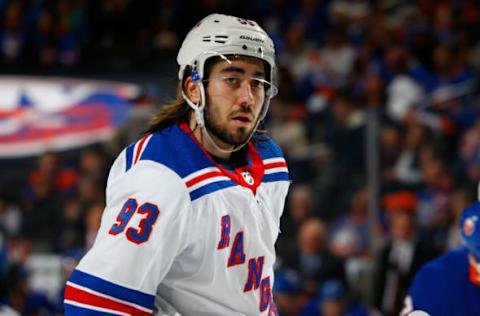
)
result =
(202, 177)
(275, 165)
(83, 297)
(474, 274)
(256, 170)
(139, 148)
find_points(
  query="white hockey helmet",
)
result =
(220, 35)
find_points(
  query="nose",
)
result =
(245, 94)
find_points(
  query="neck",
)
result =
(206, 143)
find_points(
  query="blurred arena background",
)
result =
(378, 114)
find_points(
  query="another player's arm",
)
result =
(143, 229)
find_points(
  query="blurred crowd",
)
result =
(393, 79)
(57, 212)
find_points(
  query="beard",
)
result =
(235, 137)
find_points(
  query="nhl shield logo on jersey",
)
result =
(469, 226)
(248, 177)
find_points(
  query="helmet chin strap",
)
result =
(200, 119)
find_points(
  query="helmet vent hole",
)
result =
(216, 21)
(245, 47)
(222, 39)
(206, 39)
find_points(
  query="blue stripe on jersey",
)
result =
(123, 293)
(129, 154)
(175, 149)
(80, 311)
(179, 152)
(278, 176)
(268, 149)
(209, 188)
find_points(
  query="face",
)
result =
(402, 225)
(311, 236)
(300, 203)
(332, 307)
(234, 101)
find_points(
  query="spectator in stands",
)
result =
(403, 92)
(344, 135)
(10, 216)
(42, 42)
(50, 172)
(90, 191)
(287, 129)
(299, 208)
(312, 259)
(461, 198)
(72, 226)
(406, 170)
(12, 38)
(22, 298)
(332, 299)
(349, 235)
(469, 149)
(93, 163)
(42, 216)
(391, 142)
(401, 256)
(433, 216)
(92, 223)
(288, 292)
(337, 57)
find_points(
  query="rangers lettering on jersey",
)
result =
(255, 265)
(225, 239)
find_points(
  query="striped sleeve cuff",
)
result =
(86, 294)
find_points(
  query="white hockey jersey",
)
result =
(180, 235)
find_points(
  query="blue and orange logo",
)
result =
(38, 114)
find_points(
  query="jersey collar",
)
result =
(474, 273)
(249, 176)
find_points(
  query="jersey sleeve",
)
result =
(144, 227)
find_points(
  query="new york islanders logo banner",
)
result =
(39, 114)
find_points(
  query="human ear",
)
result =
(192, 90)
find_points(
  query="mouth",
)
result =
(242, 118)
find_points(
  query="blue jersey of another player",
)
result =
(450, 284)
(447, 285)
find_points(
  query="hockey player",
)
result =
(193, 207)
(450, 284)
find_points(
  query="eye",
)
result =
(257, 83)
(233, 81)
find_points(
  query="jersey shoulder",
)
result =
(274, 163)
(443, 264)
(436, 283)
(175, 149)
(267, 148)
(440, 268)
(171, 147)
